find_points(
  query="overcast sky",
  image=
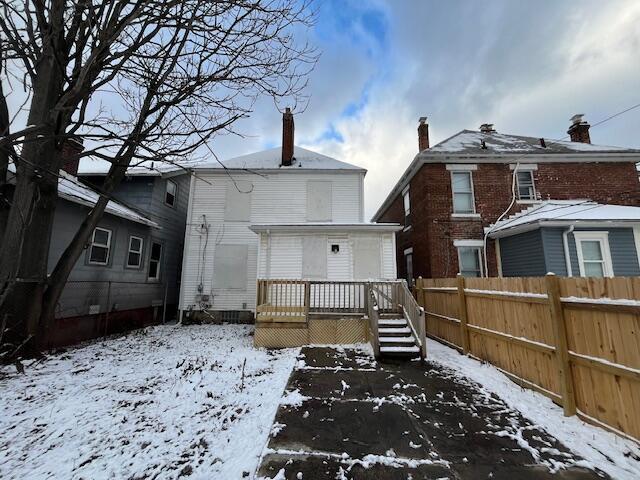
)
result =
(526, 66)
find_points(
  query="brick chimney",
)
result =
(579, 129)
(487, 128)
(71, 150)
(423, 134)
(287, 138)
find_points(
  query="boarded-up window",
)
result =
(238, 201)
(314, 257)
(366, 258)
(319, 205)
(230, 267)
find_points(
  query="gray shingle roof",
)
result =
(469, 142)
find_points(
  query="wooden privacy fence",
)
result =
(575, 340)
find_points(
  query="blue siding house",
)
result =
(569, 238)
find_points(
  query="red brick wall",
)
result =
(433, 230)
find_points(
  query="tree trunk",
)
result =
(64, 266)
(25, 243)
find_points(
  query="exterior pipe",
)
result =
(565, 243)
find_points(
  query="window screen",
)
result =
(230, 267)
(314, 257)
(238, 201)
(319, 205)
(366, 258)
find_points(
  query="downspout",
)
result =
(565, 243)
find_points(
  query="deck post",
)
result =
(462, 306)
(562, 349)
(307, 298)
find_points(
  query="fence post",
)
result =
(562, 349)
(462, 305)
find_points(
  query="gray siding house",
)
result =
(569, 238)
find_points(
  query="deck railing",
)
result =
(283, 300)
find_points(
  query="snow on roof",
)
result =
(270, 160)
(73, 190)
(93, 166)
(470, 142)
(564, 211)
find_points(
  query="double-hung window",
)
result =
(100, 246)
(462, 189)
(407, 207)
(470, 257)
(171, 193)
(134, 254)
(594, 256)
(525, 185)
(154, 261)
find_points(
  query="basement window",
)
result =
(469, 258)
(100, 246)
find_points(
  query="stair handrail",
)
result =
(374, 318)
(415, 316)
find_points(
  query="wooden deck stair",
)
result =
(396, 339)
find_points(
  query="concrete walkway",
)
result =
(344, 416)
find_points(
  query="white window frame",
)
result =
(533, 185)
(100, 245)
(478, 245)
(406, 201)
(157, 276)
(175, 193)
(130, 251)
(469, 172)
(603, 238)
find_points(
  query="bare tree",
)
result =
(137, 80)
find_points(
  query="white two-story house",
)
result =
(282, 213)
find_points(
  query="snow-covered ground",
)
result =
(618, 457)
(162, 402)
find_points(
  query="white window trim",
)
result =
(602, 237)
(405, 194)
(478, 247)
(175, 193)
(468, 243)
(524, 166)
(465, 215)
(408, 251)
(636, 238)
(129, 251)
(462, 167)
(101, 245)
(473, 195)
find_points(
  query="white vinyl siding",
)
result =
(281, 197)
(238, 201)
(314, 257)
(319, 201)
(230, 267)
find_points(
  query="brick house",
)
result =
(452, 193)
